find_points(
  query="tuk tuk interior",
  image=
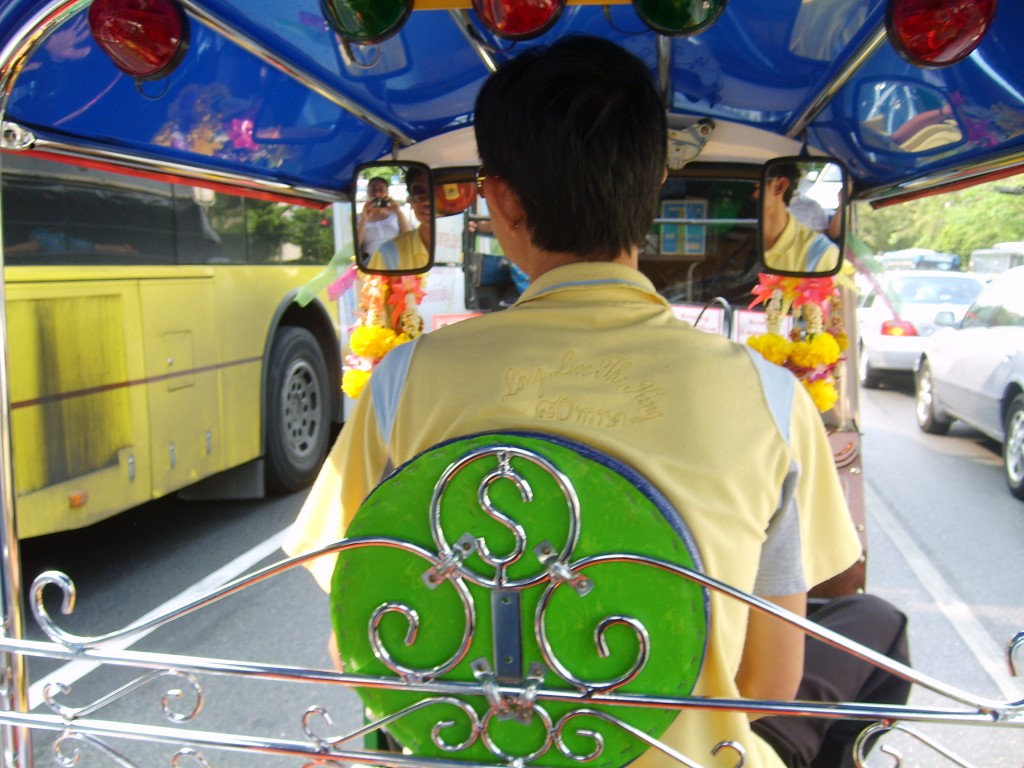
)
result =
(285, 100)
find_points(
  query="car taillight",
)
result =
(898, 328)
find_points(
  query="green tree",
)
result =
(955, 222)
(312, 231)
(267, 228)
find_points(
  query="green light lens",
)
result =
(366, 21)
(679, 17)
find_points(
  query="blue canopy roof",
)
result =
(267, 91)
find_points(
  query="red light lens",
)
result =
(450, 199)
(898, 328)
(937, 33)
(518, 19)
(145, 38)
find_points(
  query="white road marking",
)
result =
(76, 670)
(986, 651)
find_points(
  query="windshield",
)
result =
(934, 290)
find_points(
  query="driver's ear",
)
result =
(504, 203)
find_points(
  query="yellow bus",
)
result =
(155, 344)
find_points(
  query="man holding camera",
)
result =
(382, 219)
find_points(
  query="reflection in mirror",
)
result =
(802, 216)
(901, 116)
(393, 217)
(824, 27)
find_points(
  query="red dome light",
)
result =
(937, 33)
(518, 19)
(146, 39)
(450, 199)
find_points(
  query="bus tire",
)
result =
(298, 419)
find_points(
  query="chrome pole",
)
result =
(17, 740)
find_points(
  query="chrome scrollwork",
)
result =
(508, 757)
(67, 607)
(67, 751)
(325, 743)
(643, 640)
(504, 455)
(1015, 654)
(188, 755)
(377, 644)
(598, 739)
(412, 617)
(167, 701)
(735, 746)
(866, 739)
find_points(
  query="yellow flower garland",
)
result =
(384, 302)
(813, 354)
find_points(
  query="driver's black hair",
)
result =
(578, 131)
(786, 171)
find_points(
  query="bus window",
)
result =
(85, 216)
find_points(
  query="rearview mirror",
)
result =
(802, 221)
(393, 218)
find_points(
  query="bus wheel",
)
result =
(1013, 447)
(297, 410)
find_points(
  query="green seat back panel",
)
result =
(379, 591)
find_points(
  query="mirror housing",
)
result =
(393, 204)
(802, 205)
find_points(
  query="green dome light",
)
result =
(366, 21)
(679, 17)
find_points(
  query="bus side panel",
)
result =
(182, 373)
(79, 426)
(256, 295)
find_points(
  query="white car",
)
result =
(975, 372)
(898, 314)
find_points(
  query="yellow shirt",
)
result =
(801, 249)
(406, 251)
(591, 352)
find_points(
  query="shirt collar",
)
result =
(585, 275)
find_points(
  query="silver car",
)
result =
(975, 372)
(898, 313)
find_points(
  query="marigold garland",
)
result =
(812, 353)
(388, 317)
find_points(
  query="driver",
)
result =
(572, 141)
(790, 246)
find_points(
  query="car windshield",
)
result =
(934, 290)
